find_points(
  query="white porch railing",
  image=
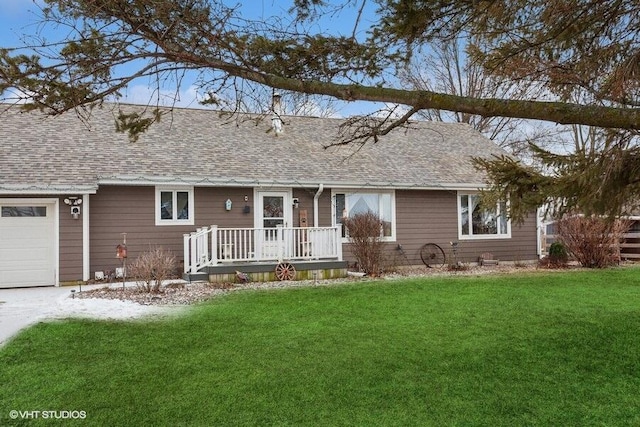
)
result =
(209, 246)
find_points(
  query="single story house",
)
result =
(223, 192)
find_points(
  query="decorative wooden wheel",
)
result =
(432, 255)
(285, 271)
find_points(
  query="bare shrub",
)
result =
(364, 232)
(592, 240)
(152, 268)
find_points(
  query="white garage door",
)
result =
(27, 241)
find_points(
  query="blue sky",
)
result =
(14, 16)
(22, 16)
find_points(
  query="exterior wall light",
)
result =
(75, 203)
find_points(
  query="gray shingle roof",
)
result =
(199, 147)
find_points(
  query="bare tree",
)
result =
(563, 47)
(112, 43)
(446, 68)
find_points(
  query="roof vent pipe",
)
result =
(276, 119)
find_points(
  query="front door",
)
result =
(274, 209)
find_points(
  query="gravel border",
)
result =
(184, 293)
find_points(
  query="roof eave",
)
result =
(238, 182)
(13, 190)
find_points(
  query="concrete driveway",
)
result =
(23, 307)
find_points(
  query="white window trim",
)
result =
(478, 236)
(334, 222)
(160, 221)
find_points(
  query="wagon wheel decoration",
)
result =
(432, 255)
(285, 271)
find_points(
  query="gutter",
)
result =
(13, 190)
(256, 183)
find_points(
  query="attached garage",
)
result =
(28, 242)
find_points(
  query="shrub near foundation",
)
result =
(592, 240)
(558, 256)
(366, 244)
(152, 268)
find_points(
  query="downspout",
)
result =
(315, 205)
(539, 231)
(86, 241)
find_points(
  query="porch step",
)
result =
(195, 277)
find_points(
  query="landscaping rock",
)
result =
(190, 293)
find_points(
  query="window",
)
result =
(481, 222)
(174, 206)
(348, 204)
(22, 211)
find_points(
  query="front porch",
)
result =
(215, 254)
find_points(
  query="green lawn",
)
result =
(550, 349)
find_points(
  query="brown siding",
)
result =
(305, 198)
(421, 217)
(131, 210)
(425, 216)
(70, 244)
(324, 209)
(431, 216)
(210, 210)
